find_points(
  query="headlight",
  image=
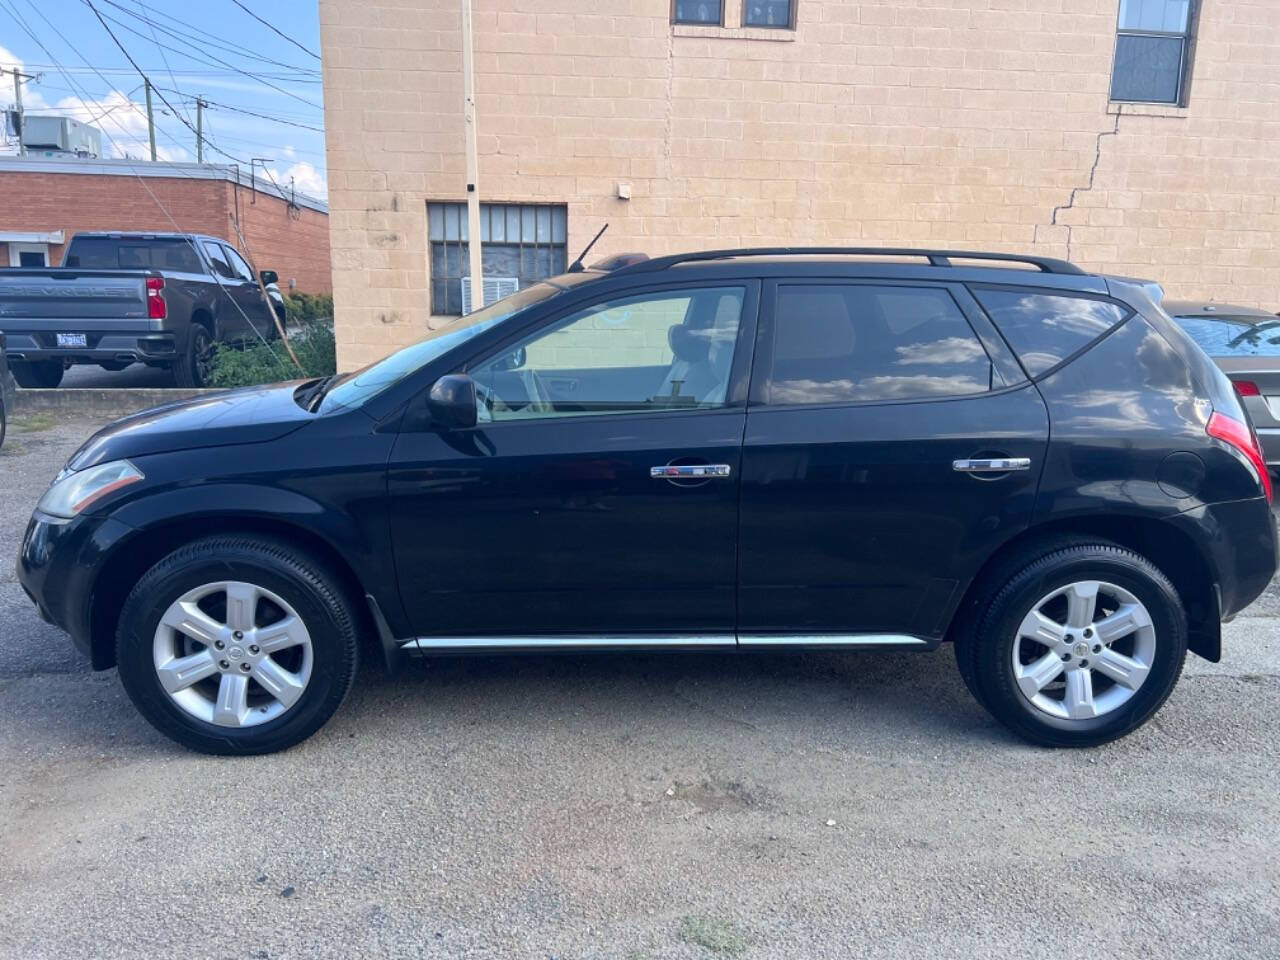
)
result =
(73, 493)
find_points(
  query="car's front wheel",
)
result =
(1078, 647)
(233, 645)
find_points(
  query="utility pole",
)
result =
(151, 121)
(18, 77)
(473, 193)
(199, 130)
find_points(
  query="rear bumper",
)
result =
(100, 347)
(1269, 437)
(1239, 539)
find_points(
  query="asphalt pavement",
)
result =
(631, 806)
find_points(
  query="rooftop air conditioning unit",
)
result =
(495, 288)
(61, 135)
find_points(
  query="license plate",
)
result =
(73, 340)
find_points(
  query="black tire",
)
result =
(299, 580)
(988, 630)
(38, 374)
(191, 371)
(4, 419)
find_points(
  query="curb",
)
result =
(98, 403)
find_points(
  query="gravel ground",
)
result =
(683, 806)
(134, 375)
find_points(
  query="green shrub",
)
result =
(307, 307)
(270, 362)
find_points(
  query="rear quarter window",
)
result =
(1045, 329)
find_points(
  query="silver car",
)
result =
(1245, 343)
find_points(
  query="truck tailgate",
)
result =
(72, 299)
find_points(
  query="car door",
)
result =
(598, 494)
(256, 319)
(892, 442)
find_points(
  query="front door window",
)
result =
(640, 354)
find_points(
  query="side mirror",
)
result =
(452, 402)
(269, 277)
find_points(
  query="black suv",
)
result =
(825, 448)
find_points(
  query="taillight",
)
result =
(1242, 437)
(157, 309)
(1246, 388)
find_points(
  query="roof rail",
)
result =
(936, 258)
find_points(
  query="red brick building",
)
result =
(44, 202)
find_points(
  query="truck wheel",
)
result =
(192, 370)
(237, 645)
(39, 374)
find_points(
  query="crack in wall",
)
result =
(1076, 191)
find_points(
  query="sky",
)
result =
(82, 73)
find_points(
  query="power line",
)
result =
(164, 59)
(103, 20)
(251, 113)
(274, 29)
(163, 98)
(205, 37)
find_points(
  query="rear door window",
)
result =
(1046, 329)
(846, 342)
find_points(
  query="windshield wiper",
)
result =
(310, 395)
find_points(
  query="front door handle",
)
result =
(695, 471)
(992, 465)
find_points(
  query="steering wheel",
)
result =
(539, 401)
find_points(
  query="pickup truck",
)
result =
(121, 298)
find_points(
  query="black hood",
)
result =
(248, 415)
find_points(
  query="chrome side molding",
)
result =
(568, 643)
(660, 641)
(850, 641)
(994, 465)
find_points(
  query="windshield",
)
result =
(1234, 336)
(353, 389)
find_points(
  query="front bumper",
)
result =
(58, 566)
(100, 347)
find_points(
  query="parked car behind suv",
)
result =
(122, 298)
(733, 449)
(1245, 343)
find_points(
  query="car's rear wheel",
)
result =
(1078, 647)
(38, 374)
(233, 645)
(194, 369)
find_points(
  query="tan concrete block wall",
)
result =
(971, 123)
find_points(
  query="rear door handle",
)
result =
(993, 465)
(697, 471)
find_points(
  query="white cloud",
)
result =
(306, 178)
(123, 122)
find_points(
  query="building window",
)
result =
(520, 245)
(1153, 51)
(769, 13)
(698, 11)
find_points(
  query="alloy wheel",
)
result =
(1083, 650)
(233, 654)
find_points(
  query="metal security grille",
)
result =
(1153, 47)
(524, 241)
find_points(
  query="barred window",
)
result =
(698, 11)
(520, 245)
(1153, 51)
(769, 13)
